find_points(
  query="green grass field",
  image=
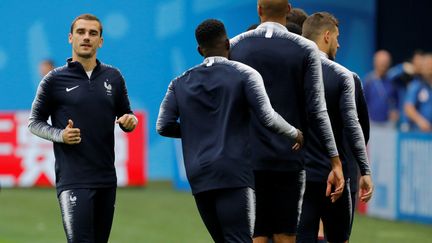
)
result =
(155, 214)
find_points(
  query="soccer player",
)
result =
(322, 28)
(208, 107)
(84, 99)
(291, 70)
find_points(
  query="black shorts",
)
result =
(337, 217)
(228, 214)
(87, 214)
(278, 202)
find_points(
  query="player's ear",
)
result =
(327, 36)
(227, 44)
(70, 38)
(200, 51)
(288, 10)
(259, 10)
(101, 42)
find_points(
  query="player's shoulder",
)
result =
(57, 71)
(110, 68)
(300, 41)
(245, 35)
(55, 74)
(338, 69)
(186, 73)
(244, 69)
(276, 32)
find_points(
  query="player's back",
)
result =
(214, 120)
(282, 59)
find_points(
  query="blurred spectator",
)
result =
(45, 66)
(295, 19)
(418, 100)
(401, 76)
(380, 94)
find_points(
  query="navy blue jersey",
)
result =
(339, 94)
(208, 107)
(93, 105)
(291, 69)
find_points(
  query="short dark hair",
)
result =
(315, 24)
(86, 17)
(296, 16)
(294, 28)
(210, 32)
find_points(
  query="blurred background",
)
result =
(152, 42)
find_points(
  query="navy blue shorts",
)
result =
(278, 202)
(337, 217)
(87, 214)
(228, 214)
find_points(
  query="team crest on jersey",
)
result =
(108, 87)
(72, 200)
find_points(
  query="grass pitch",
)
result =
(155, 214)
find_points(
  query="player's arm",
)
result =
(355, 137)
(40, 112)
(125, 117)
(167, 122)
(317, 111)
(366, 188)
(351, 125)
(260, 103)
(362, 109)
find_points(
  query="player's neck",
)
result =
(87, 63)
(216, 53)
(281, 20)
(323, 47)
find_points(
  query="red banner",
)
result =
(27, 160)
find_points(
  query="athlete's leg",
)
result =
(236, 212)
(313, 200)
(77, 213)
(103, 213)
(288, 200)
(263, 194)
(205, 202)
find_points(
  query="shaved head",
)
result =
(273, 8)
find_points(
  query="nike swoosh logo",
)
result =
(70, 89)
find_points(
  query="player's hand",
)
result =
(366, 188)
(335, 180)
(71, 135)
(299, 141)
(128, 121)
